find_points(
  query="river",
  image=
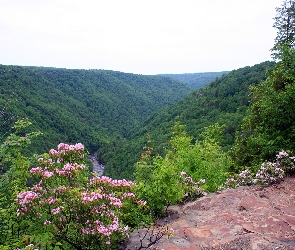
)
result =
(97, 166)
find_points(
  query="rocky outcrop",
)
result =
(254, 217)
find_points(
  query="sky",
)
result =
(137, 36)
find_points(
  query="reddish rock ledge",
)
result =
(254, 217)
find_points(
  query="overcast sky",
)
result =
(137, 36)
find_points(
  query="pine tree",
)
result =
(285, 25)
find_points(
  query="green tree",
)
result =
(269, 124)
(187, 166)
(13, 179)
(285, 25)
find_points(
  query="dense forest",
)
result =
(224, 100)
(171, 143)
(197, 80)
(87, 106)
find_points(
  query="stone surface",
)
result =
(254, 218)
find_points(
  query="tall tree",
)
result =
(269, 125)
(285, 25)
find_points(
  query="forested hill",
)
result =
(87, 106)
(196, 80)
(224, 100)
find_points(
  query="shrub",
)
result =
(65, 208)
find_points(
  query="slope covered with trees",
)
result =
(197, 80)
(224, 100)
(87, 106)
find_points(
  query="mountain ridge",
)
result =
(90, 106)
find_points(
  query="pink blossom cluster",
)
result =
(47, 174)
(94, 196)
(98, 227)
(37, 188)
(141, 202)
(90, 197)
(188, 179)
(192, 188)
(68, 169)
(57, 210)
(50, 200)
(269, 172)
(67, 147)
(26, 197)
(46, 162)
(63, 148)
(94, 207)
(129, 195)
(282, 154)
(114, 183)
(285, 161)
(36, 170)
(47, 222)
(242, 179)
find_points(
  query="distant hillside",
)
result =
(196, 80)
(88, 106)
(224, 100)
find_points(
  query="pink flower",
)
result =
(26, 197)
(79, 146)
(47, 174)
(130, 195)
(68, 167)
(50, 200)
(57, 210)
(47, 222)
(35, 170)
(37, 188)
(141, 202)
(63, 146)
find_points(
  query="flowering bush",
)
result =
(191, 188)
(165, 181)
(69, 208)
(242, 179)
(269, 172)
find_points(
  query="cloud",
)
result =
(147, 37)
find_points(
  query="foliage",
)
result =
(163, 181)
(90, 106)
(65, 208)
(269, 172)
(197, 80)
(13, 179)
(285, 25)
(269, 124)
(224, 100)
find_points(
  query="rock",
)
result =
(254, 217)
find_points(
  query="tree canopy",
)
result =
(87, 106)
(285, 25)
